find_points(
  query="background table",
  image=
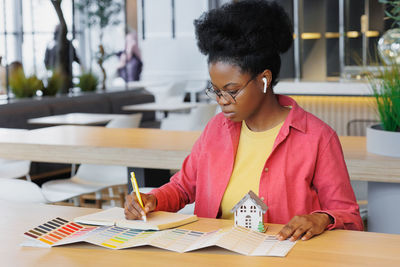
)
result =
(139, 147)
(164, 107)
(75, 119)
(333, 248)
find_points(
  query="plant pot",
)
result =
(383, 142)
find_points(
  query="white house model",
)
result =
(249, 212)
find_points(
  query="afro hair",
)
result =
(250, 34)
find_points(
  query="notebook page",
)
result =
(158, 220)
(106, 217)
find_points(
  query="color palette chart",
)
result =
(252, 243)
(58, 232)
(244, 241)
(118, 238)
(180, 240)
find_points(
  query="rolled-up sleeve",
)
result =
(332, 182)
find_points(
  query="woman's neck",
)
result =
(269, 114)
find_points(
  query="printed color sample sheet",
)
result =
(60, 232)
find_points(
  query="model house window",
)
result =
(253, 209)
(243, 208)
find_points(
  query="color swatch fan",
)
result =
(57, 232)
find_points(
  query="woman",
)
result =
(130, 62)
(260, 141)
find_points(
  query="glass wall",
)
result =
(27, 29)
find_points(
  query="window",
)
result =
(243, 208)
(26, 28)
(253, 209)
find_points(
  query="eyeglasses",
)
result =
(228, 95)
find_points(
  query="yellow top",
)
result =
(249, 164)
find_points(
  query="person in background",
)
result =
(261, 141)
(50, 57)
(130, 63)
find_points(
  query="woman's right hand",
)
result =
(133, 210)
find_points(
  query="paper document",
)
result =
(240, 240)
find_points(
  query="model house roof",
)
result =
(256, 200)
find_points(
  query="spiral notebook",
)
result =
(157, 220)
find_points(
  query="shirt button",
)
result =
(266, 169)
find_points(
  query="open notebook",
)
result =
(157, 220)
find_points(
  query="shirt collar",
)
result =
(295, 119)
(297, 115)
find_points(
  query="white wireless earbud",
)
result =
(265, 84)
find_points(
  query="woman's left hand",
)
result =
(306, 226)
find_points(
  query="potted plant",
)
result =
(384, 139)
(54, 84)
(88, 82)
(23, 86)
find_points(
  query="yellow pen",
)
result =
(136, 189)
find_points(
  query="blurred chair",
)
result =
(16, 190)
(195, 86)
(93, 178)
(358, 127)
(90, 178)
(169, 92)
(196, 120)
(128, 121)
(15, 169)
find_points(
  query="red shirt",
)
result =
(304, 173)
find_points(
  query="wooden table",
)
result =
(75, 119)
(164, 107)
(142, 148)
(333, 248)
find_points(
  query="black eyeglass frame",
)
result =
(227, 95)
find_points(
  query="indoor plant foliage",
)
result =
(88, 82)
(386, 89)
(54, 84)
(23, 86)
(394, 10)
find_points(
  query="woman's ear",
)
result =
(265, 84)
(267, 79)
